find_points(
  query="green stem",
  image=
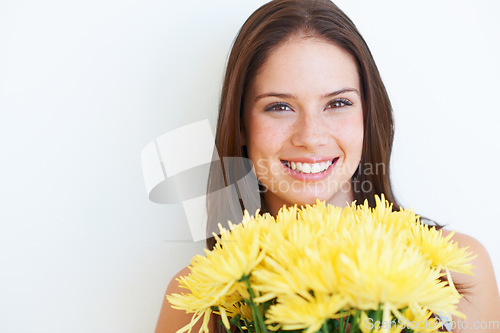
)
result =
(378, 316)
(257, 315)
(355, 322)
(324, 328)
(345, 322)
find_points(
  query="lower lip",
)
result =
(310, 176)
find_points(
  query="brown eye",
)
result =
(338, 103)
(278, 107)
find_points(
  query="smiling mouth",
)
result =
(309, 168)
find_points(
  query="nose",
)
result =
(310, 131)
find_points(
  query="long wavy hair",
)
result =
(229, 191)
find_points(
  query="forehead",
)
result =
(306, 65)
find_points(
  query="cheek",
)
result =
(357, 133)
(264, 138)
(351, 134)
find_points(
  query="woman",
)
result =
(303, 100)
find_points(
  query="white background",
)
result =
(85, 85)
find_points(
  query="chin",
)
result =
(311, 199)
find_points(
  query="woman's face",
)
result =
(303, 123)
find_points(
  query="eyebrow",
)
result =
(291, 96)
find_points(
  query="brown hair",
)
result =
(264, 30)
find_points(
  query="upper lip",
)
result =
(314, 159)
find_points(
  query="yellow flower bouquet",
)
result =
(327, 269)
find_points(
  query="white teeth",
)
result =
(309, 167)
(316, 167)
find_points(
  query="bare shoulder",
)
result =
(482, 301)
(483, 267)
(170, 320)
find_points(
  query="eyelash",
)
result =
(270, 107)
(343, 101)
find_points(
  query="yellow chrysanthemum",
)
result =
(420, 320)
(328, 220)
(370, 325)
(215, 279)
(442, 251)
(293, 312)
(382, 216)
(239, 309)
(320, 262)
(305, 259)
(314, 268)
(414, 318)
(379, 267)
